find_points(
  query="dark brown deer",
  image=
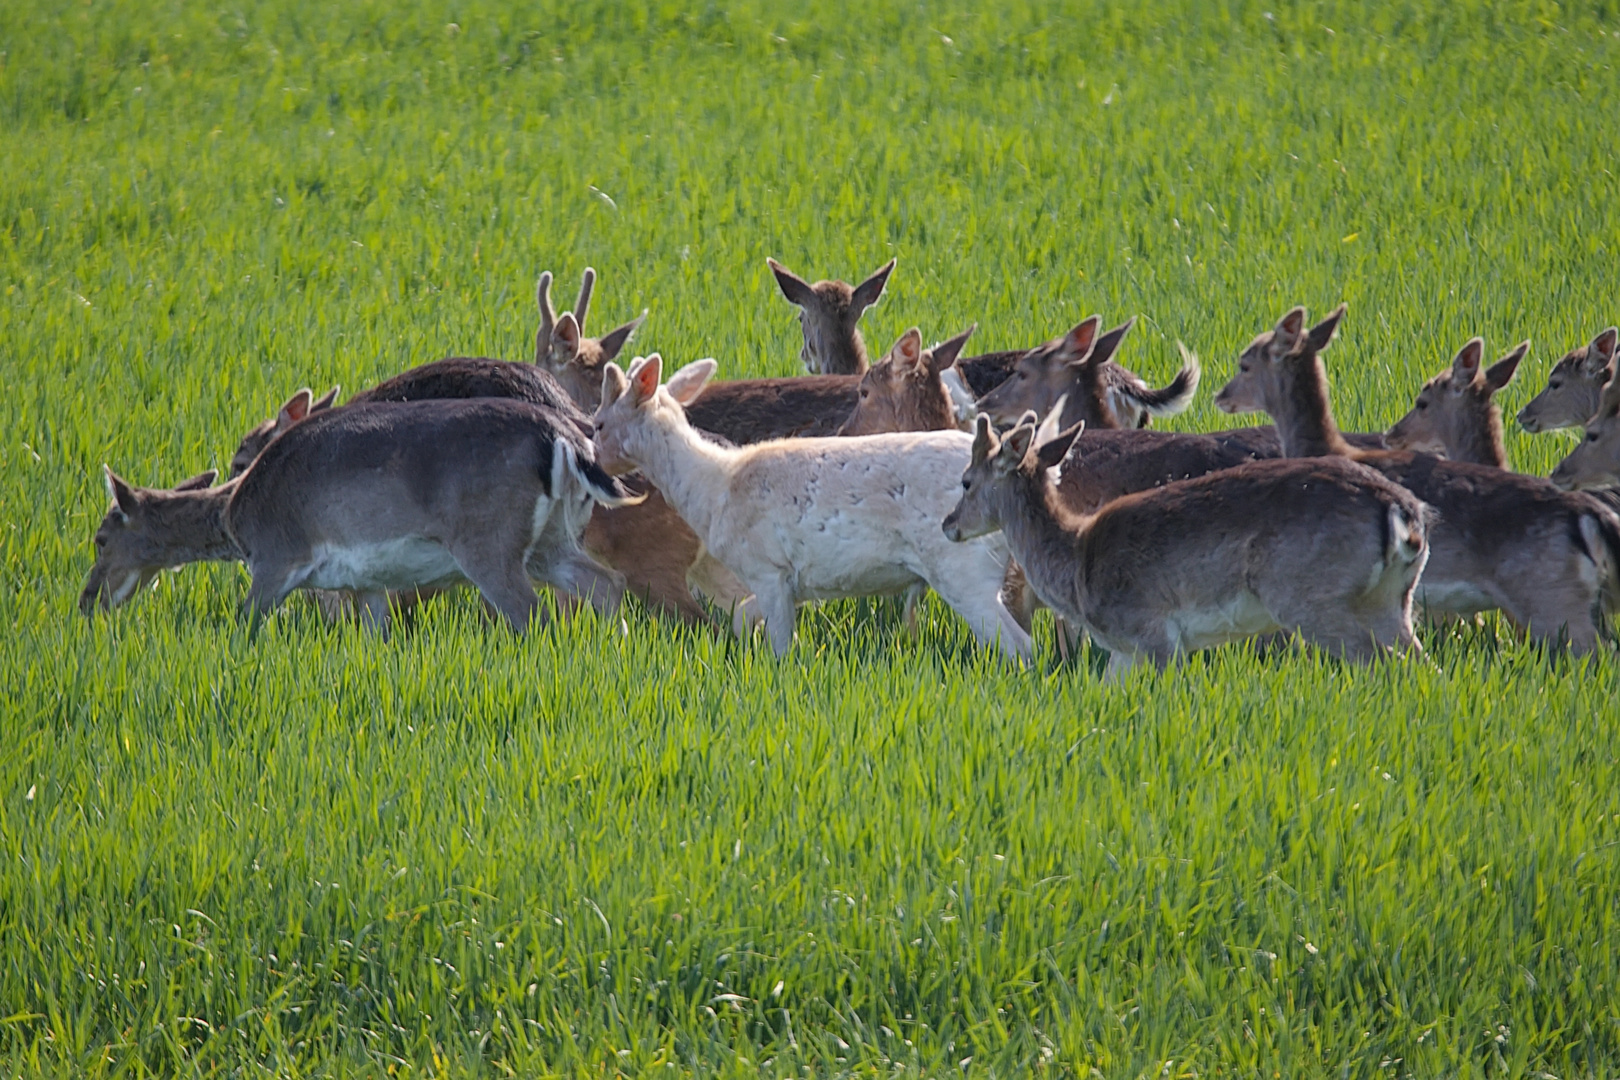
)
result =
(828, 312)
(1546, 558)
(1456, 414)
(903, 391)
(562, 349)
(1079, 366)
(1327, 549)
(1574, 388)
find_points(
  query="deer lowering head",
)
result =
(903, 391)
(149, 530)
(828, 312)
(1571, 395)
(1281, 373)
(1456, 414)
(1595, 462)
(561, 347)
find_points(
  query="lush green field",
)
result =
(648, 850)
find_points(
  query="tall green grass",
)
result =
(634, 848)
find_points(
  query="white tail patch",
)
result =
(1603, 565)
(962, 402)
(1406, 540)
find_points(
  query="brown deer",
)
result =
(1327, 549)
(1594, 464)
(903, 391)
(1456, 414)
(562, 349)
(1574, 388)
(1546, 558)
(828, 312)
(149, 530)
(1079, 367)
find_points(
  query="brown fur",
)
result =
(903, 392)
(148, 530)
(562, 349)
(1594, 464)
(828, 312)
(1573, 389)
(1456, 414)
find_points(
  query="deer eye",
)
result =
(967, 485)
(1243, 366)
(1591, 436)
(865, 393)
(1422, 404)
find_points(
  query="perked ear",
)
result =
(582, 306)
(984, 439)
(644, 379)
(614, 384)
(565, 336)
(614, 341)
(1501, 373)
(686, 384)
(1017, 443)
(867, 292)
(295, 409)
(795, 288)
(1603, 346)
(121, 493)
(200, 482)
(1077, 342)
(1290, 325)
(325, 401)
(1048, 427)
(1055, 449)
(1108, 344)
(907, 352)
(1465, 365)
(943, 355)
(1323, 332)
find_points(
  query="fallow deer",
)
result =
(903, 391)
(562, 349)
(828, 312)
(1574, 388)
(1326, 549)
(1546, 558)
(149, 530)
(807, 519)
(1456, 414)
(1594, 464)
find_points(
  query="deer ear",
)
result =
(122, 495)
(614, 384)
(1465, 365)
(1055, 449)
(615, 340)
(644, 379)
(582, 306)
(794, 287)
(1323, 332)
(565, 336)
(943, 355)
(1290, 325)
(324, 402)
(686, 384)
(1108, 344)
(1602, 348)
(907, 352)
(1501, 373)
(867, 292)
(984, 439)
(199, 482)
(1077, 343)
(1017, 443)
(295, 409)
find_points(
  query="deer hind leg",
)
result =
(780, 612)
(914, 598)
(574, 573)
(498, 572)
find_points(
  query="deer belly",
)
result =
(1452, 597)
(400, 563)
(1204, 626)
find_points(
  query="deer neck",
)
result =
(1044, 537)
(1480, 443)
(692, 472)
(1303, 413)
(192, 525)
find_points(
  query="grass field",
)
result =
(658, 852)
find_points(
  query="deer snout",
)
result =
(1528, 420)
(952, 530)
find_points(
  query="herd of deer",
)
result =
(969, 476)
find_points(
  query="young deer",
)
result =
(1456, 413)
(1546, 558)
(903, 391)
(828, 312)
(1327, 548)
(1594, 464)
(1574, 387)
(562, 349)
(389, 496)
(807, 519)
(1079, 366)
(149, 530)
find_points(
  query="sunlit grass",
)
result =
(626, 847)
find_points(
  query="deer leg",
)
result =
(775, 602)
(269, 588)
(1120, 664)
(373, 606)
(577, 574)
(989, 618)
(502, 578)
(914, 596)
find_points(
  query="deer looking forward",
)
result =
(1328, 549)
(1546, 558)
(1574, 387)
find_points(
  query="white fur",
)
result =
(962, 400)
(815, 519)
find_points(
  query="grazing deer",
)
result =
(1574, 387)
(1328, 549)
(807, 519)
(1079, 367)
(828, 312)
(1456, 413)
(1594, 464)
(149, 530)
(388, 496)
(1547, 558)
(562, 349)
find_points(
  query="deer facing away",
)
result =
(828, 313)
(808, 519)
(1328, 549)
